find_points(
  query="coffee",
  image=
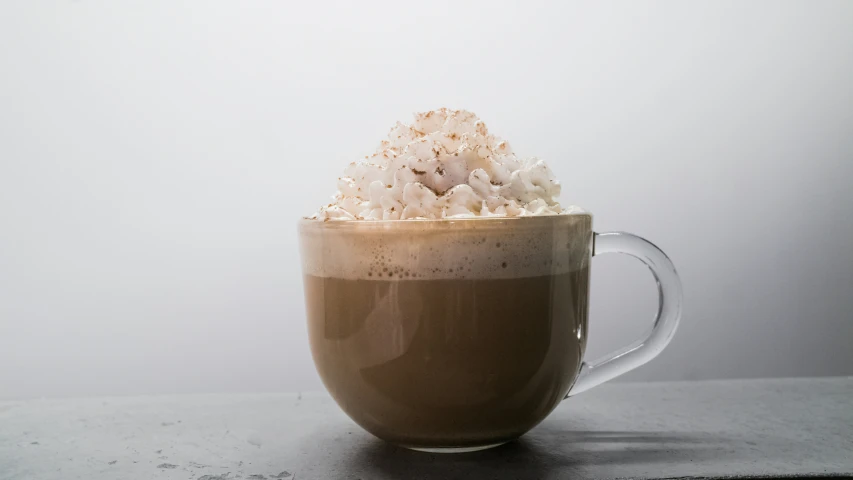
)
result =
(447, 288)
(465, 361)
(452, 333)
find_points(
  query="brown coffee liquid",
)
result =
(448, 362)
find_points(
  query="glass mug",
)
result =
(462, 334)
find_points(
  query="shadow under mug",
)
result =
(463, 334)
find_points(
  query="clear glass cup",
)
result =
(459, 335)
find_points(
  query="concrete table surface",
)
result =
(718, 429)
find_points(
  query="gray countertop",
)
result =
(742, 428)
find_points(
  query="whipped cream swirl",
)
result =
(445, 164)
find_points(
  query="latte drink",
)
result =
(446, 289)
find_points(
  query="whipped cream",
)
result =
(445, 164)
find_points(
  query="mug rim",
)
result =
(484, 222)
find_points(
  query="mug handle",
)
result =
(666, 320)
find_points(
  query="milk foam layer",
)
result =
(445, 164)
(474, 249)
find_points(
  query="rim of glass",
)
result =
(477, 222)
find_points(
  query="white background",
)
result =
(155, 156)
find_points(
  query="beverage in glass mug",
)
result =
(445, 319)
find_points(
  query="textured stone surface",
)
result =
(744, 428)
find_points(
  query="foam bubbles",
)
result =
(466, 249)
